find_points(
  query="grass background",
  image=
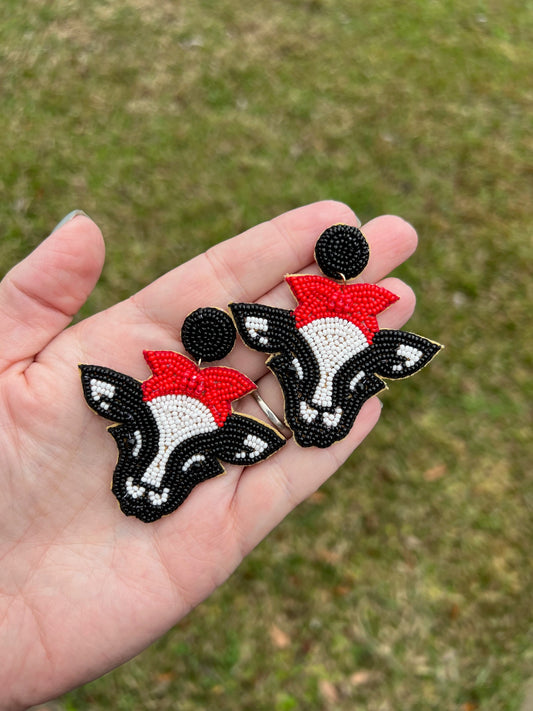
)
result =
(405, 583)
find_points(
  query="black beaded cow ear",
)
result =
(329, 353)
(174, 429)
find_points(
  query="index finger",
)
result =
(243, 268)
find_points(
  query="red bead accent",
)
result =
(320, 297)
(175, 374)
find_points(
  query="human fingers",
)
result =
(265, 495)
(240, 269)
(256, 263)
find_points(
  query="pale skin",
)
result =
(82, 587)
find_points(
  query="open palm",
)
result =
(82, 587)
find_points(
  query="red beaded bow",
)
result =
(320, 297)
(215, 387)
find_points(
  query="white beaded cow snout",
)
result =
(334, 341)
(177, 417)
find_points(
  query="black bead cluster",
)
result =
(264, 328)
(399, 354)
(208, 334)
(342, 250)
(115, 409)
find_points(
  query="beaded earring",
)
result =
(328, 353)
(174, 429)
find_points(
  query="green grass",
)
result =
(406, 584)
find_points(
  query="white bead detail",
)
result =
(412, 356)
(256, 444)
(333, 341)
(253, 324)
(178, 417)
(331, 419)
(99, 389)
(357, 379)
(138, 444)
(158, 499)
(133, 490)
(298, 367)
(307, 413)
(195, 458)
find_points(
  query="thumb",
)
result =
(41, 294)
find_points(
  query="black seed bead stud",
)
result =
(342, 250)
(208, 334)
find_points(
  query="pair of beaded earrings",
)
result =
(328, 354)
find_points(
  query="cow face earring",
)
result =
(328, 353)
(173, 429)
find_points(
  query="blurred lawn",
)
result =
(406, 582)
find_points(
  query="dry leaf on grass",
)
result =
(361, 677)
(435, 473)
(328, 556)
(279, 638)
(317, 497)
(165, 677)
(328, 691)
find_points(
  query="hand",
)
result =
(82, 587)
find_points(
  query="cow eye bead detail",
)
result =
(174, 429)
(328, 353)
